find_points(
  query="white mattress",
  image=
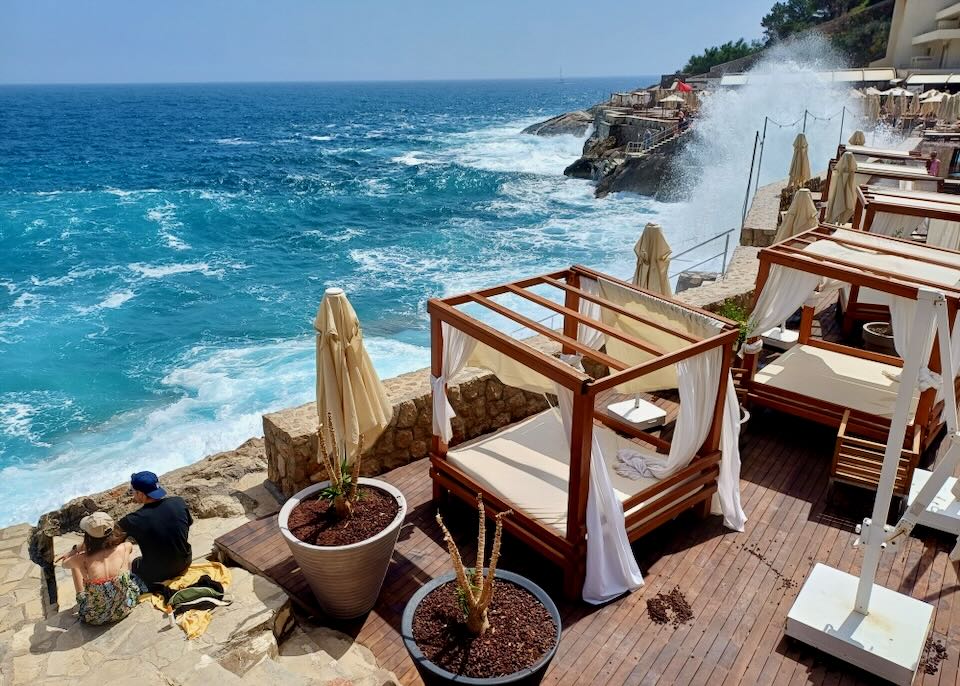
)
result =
(527, 465)
(837, 378)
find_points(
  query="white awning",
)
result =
(879, 74)
(733, 80)
(930, 79)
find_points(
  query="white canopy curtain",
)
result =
(457, 347)
(698, 380)
(611, 567)
(944, 233)
(587, 334)
(784, 291)
(896, 225)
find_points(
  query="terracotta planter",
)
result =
(345, 579)
(432, 675)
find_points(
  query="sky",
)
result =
(138, 41)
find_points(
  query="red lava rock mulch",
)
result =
(314, 521)
(521, 632)
(670, 608)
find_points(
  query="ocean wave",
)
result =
(160, 271)
(233, 141)
(504, 148)
(16, 421)
(414, 158)
(29, 300)
(111, 302)
(320, 138)
(223, 392)
(76, 274)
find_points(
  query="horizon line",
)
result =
(323, 81)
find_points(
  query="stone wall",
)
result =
(481, 401)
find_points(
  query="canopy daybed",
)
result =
(582, 482)
(891, 175)
(921, 216)
(838, 385)
(864, 153)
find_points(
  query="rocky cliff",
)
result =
(571, 123)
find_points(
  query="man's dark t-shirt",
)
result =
(160, 529)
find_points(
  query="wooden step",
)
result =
(858, 460)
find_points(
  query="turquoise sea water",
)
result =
(163, 250)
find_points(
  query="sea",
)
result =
(164, 248)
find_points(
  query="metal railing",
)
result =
(639, 147)
(722, 254)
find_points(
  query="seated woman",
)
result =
(106, 590)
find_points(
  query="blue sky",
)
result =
(124, 41)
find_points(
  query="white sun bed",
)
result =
(843, 380)
(527, 465)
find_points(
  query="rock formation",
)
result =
(571, 123)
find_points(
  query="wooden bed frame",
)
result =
(928, 419)
(882, 153)
(892, 173)
(690, 488)
(871, 200)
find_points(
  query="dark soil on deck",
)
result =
(521, 632)
(314, 521)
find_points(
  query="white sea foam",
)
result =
(223, 395)
(29, 300)
(160, 271)
(234, 141)
(717, 160)
(111, 302)
(16, 421)
(166, 216)
(506, 149)
(415, 158)
(320, 138)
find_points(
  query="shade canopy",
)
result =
(857, 138)
(673, 98)
(348, 387)
(802, 216)
(653, 261)
(800, 163)
(843, 190)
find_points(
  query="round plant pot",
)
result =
(432, 675)
(345, 579)
(878, 337)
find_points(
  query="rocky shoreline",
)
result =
(605, 159)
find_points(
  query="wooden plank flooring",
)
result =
(740, 585)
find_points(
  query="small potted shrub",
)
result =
(480, 626)
(342, 532)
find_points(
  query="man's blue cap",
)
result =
(146, 483)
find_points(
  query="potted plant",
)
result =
(465, 627)
(342, 532)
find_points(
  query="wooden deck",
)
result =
(740, 585)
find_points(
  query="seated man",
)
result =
(160, 528)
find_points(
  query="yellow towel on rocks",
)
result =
(193, 622)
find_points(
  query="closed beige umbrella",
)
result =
(653, 261)
(857, 138)
(800, 164)
(843, 190)
(348, 387)
(801, 216)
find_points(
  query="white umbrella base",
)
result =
(781, 339)
(943, 513)
(644, 415)
(887, 642)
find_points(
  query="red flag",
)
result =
(683, 87)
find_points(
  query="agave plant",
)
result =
(474, 590)
(343, 480)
